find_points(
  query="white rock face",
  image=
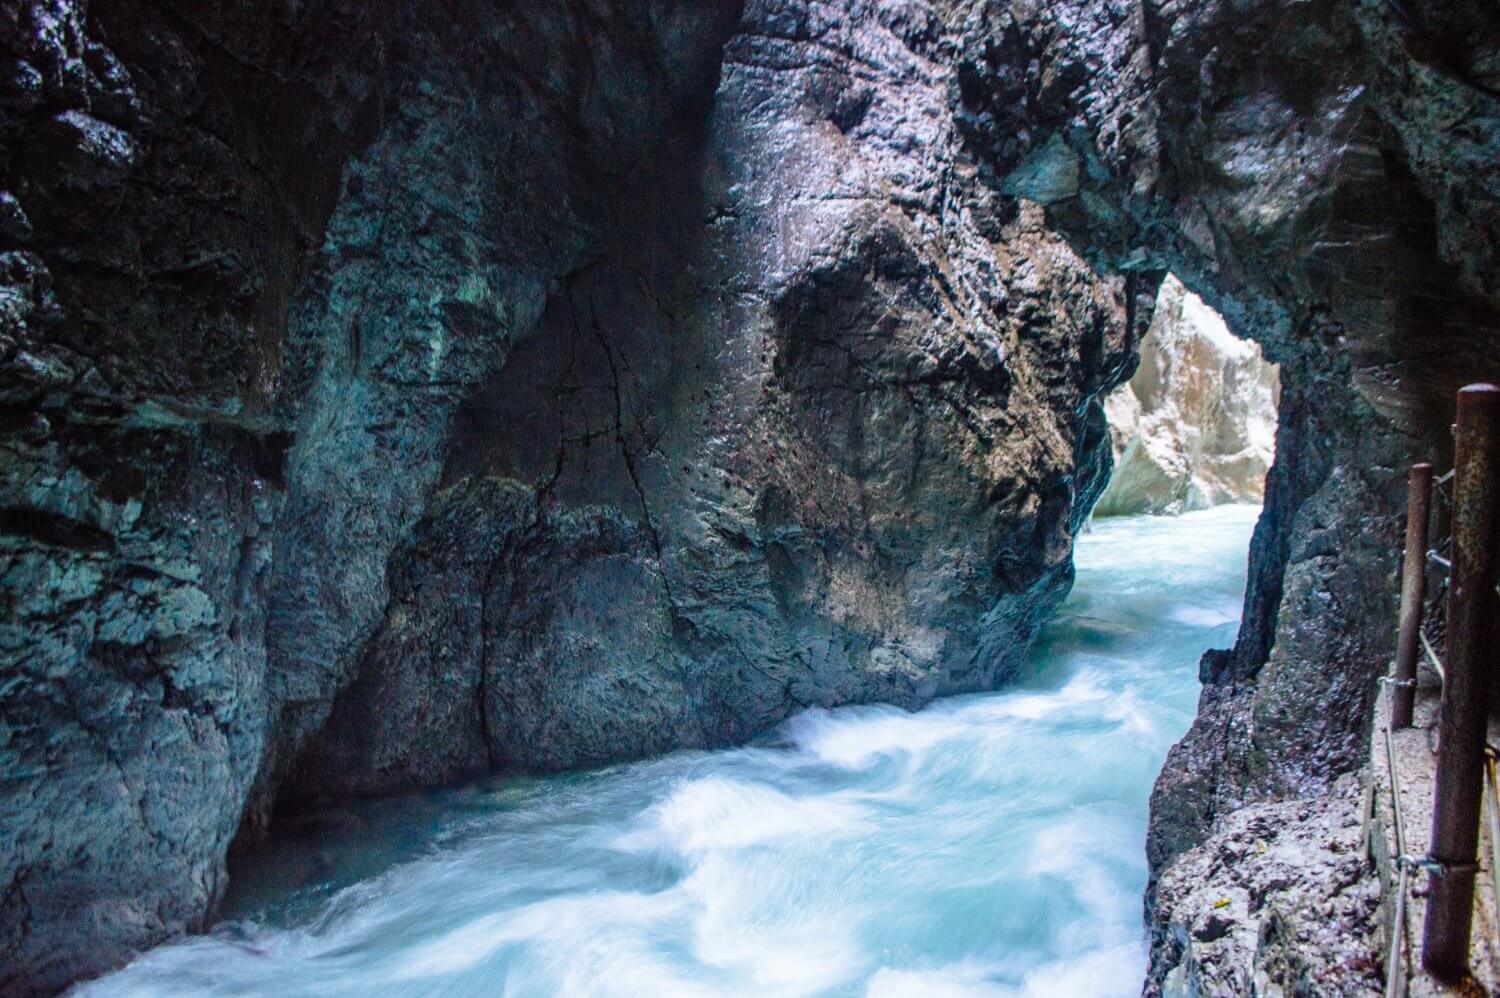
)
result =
(1196, 426)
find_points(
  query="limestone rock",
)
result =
(1196, 424)
(228, 402)
(352, 354)
(1296, 165)
(400, 391)
(828, 412)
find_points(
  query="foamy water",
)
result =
(987, 845)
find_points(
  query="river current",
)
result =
(986, 845)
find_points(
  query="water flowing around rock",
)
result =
(989, 844)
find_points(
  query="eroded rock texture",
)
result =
(398, 393)
(231, 361)
(1324, 175)
(1279, 901)
(823, 409)
(159, 193)
(1196, 424)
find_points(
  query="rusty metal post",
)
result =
(1413, 592)
(1471, 618)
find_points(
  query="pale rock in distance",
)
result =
(1196, 425)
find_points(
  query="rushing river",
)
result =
(987, 845)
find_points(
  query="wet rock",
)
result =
(15, 227)
(85, 151)
(1288, 162)
(432, 273)
(1048, 175)
(134, 497)
(366, 357)
(690, 381)
(23, 88)
(1293, 164)
(1279, 901)
(831, 415)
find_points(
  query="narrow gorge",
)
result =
(612, 422)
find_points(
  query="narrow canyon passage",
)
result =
(989, 844)
(402, 396)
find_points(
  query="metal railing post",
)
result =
(1461, 731)
(1413, 592)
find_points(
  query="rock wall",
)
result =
(396, 392)
(159, 191)
(231, 359)
(822, 404)
(1323, 175)
(1196, 424)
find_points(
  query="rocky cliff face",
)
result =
(1323, 175)
(396, 394)
(159, 194)
(1196, 424)
(396, 391)
(821, 403)
(231, 362)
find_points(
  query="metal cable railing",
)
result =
(1395, 978)
(1493, 797)
(1432, 657)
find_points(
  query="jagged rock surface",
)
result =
(229, 370)
(1196, 424)
(159, 189)
(397, 392)
(1323, 175)
(335, 334)
(826, 407)
(1279, 902)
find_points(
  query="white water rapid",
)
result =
(987, 845)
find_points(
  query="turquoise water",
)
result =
(987, 845)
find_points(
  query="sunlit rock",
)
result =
(1196, 425)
